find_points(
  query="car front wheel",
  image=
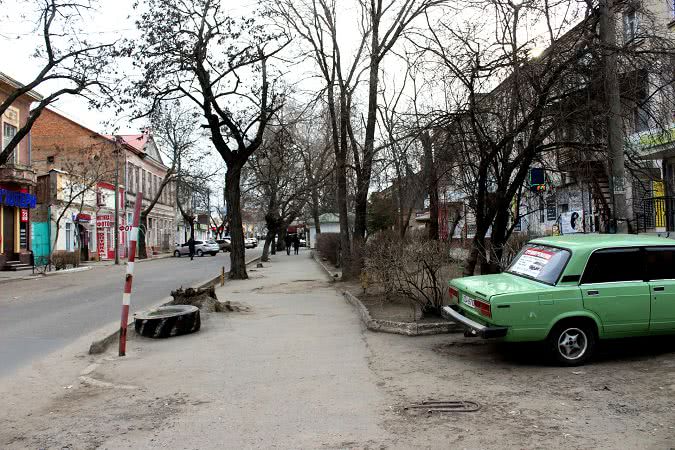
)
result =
(572, 343)
(176, 254)
(200, 253)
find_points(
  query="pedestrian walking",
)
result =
(191, 246)
(296, 244)
(288, 241)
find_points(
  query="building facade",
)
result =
(17, 180)
(69, 154)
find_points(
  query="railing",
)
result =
(658, 213)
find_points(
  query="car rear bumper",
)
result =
(472, 326)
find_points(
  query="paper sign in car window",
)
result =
(531, 262)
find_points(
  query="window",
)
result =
(630, 25)
(542, 217)
(613, 265)
(551, 208)
(8, 133)
(130, 178)
(640, 118)
(660, 263)
(69, 237)
(540, 262)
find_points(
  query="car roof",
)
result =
(597, 241)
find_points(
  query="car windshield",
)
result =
(540, 263)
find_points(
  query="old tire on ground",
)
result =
(167, 321)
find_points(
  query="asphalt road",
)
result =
(43, 315)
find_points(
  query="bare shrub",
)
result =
(328, 246)
(412, 267)
(62, 259)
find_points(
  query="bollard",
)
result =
(222, 276)
(126, 296)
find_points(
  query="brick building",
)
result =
(17, 180)
(67, 152)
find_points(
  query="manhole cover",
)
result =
(442, 406)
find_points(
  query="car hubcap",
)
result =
(572, 343)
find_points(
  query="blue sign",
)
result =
(17, 199)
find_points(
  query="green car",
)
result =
(570, 291)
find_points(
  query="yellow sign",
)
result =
(659, 206)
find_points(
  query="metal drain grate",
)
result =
(432, 406)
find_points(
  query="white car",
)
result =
(201, 248)
(250, 243)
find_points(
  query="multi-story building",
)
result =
(17, 180)
(68, 154)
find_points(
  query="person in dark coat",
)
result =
(191, 246)
(288, 241)
(296, 244)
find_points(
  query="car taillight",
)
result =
(483, 308)
(454, 293)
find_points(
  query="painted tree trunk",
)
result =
(233, 196)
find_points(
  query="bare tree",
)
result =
(196, 51)
(73, 64)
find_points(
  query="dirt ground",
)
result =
(298, 370)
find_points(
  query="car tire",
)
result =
(572, 343)
(167, 321)
(200, 253)
(176, 254)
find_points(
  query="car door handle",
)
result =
(592, 292)
(659, 288)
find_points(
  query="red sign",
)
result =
(82, 217)
(24, 215)
(104, 220)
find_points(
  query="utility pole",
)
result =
(615, 149)
(117, 200)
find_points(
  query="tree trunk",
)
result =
(431, 183)
(315, 210)
(281, 242)
(269, 240)
(233, 195)
(341, 180)
(143, 227)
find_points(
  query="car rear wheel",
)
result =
(572, 343)
(176, 254)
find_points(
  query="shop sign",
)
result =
(24, 215)
(81, 218)
(17, 199)
(104, 220)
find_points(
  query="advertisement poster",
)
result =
(531, 262)
(572, 222)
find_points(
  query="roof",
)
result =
(4, 78)
(136, 141)
(596, 241)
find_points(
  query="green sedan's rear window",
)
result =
(540, 262)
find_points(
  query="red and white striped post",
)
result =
(126, 296)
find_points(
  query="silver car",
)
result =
(201, 248)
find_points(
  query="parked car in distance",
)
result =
(224, 244)
(201, 248)
(250, 243)
(303, 243)
(570, 291)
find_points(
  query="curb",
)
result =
(333, 276)
(63, 272)
(404, 328)
(100, 345)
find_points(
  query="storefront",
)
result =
(105, 239)
(15, 209)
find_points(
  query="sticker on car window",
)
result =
(532, 261)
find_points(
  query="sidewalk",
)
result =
(290, 373)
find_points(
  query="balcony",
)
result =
(654, 143)
(17, 174)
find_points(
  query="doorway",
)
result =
(8, 232)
